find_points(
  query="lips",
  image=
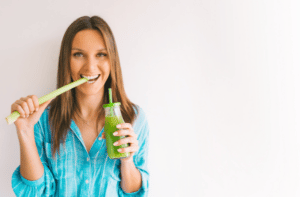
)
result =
(91, 79)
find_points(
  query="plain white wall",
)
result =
(219, 81)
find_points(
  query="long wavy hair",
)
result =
(62, 108)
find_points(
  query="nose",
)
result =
(91, 63)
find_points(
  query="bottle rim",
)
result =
(112, 105)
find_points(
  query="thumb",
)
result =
(43, 106)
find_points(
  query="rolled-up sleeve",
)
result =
(44, 186)
(141, 163)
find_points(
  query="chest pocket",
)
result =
(62, 166)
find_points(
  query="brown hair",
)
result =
(62, 108)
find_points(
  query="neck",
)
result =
(88, 105)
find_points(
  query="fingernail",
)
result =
(119, 149)
(115, 133)
(37, 109)
(24, 116)
(115, 143)
(118, 126)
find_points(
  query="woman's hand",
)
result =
(29, 115)
(131, 138)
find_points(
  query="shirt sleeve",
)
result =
(44, 186)
(141, 163)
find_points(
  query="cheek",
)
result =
(75, 66)
(73, 62)
(106, 68)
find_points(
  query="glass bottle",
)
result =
(113, 117)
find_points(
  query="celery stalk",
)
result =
(15, 115)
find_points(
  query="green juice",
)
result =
(109, 128)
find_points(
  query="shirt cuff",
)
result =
(144, 186)
(33, 183)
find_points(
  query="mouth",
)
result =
(91, 80)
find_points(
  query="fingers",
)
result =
(17, 107)
(35, 102)
(26, 105)
(28, 102)
(131, 138)
(127, 132)
(124, 126)
(125, 141)
(130, 149)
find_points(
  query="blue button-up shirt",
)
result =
(78, 172)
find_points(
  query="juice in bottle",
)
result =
(113, 117)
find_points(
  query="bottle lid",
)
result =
(112, 104)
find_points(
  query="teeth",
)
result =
(91, 77)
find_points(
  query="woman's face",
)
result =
(89, 58)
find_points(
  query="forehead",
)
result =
(88, 38)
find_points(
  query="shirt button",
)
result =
(87, 181)
(88, 159)
(100, 138)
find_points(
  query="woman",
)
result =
(63, 151)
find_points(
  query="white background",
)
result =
(219, 81)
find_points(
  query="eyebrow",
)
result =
(83, 50)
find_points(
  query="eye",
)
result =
(102, 54)
(75, 54)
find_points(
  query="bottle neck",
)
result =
(112, 111)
